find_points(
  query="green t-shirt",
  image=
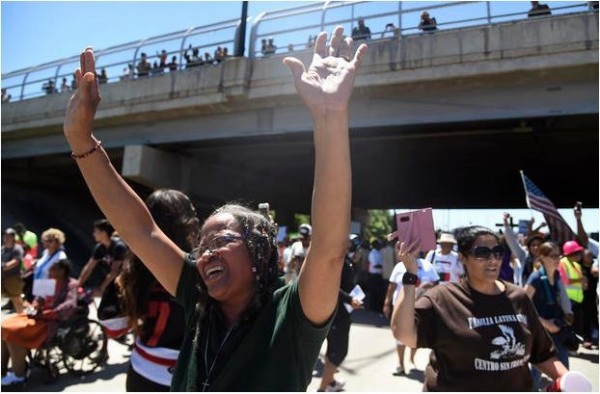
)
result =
(29, 238)
(273, 349)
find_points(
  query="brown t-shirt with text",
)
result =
(480, 342)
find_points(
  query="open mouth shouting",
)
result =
(213, 272)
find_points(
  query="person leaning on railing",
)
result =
(427, 23)
(5, 96)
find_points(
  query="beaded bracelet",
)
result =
(86, 154)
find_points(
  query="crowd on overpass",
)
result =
(154, 65)
(242, 328)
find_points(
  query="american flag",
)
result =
(560, 232)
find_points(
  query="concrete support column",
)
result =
(155, 168)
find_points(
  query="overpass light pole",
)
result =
(241, 39)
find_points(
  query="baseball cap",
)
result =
(10, 230)
(305, 230)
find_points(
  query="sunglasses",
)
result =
(48, 240)
(483, 252)
(552, 256)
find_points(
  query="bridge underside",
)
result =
(452, 165)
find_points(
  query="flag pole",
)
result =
(526, 194)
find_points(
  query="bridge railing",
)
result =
(120, 61)
(404, 15)
(291, 29)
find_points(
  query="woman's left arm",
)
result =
(325, 89)
(552, 367)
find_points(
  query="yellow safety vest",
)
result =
(573, 272)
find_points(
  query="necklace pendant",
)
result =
(205, 385)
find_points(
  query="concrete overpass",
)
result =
(443, 120)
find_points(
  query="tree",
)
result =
(380, 224)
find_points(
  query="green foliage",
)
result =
(380, 224)
(299, 219)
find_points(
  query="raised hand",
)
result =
(83, 104)
(577, 211)
(327, 84)
(407, 253)
(506, 218)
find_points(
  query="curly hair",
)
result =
(175, 215)
(260, 237)
(54, 233)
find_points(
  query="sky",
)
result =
(34, 33)
(38, 32)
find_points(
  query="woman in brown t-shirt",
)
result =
(483, 331)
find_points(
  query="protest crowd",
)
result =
(227, 303)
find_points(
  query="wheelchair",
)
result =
(79, 346)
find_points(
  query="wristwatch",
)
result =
(409, 279)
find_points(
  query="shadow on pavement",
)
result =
(38, 376)
(591, 357)
(416, 374)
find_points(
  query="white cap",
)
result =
(305, 230)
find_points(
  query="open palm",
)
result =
(84, 101)
(327, 84)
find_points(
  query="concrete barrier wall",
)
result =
(242, 84)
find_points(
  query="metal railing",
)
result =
(120, 61)
(287, 26)
(347, 13)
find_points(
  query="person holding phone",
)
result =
(483, 331)
(242, 333)
(428, 277)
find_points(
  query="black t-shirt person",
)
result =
(104, 258)
(116, 251)
(539, 10)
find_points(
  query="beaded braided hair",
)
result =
(261, 240)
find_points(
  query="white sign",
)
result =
(358, 293)
(44, 287)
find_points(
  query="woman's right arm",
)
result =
(548, 324)
(121, 205)
(403, 317)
